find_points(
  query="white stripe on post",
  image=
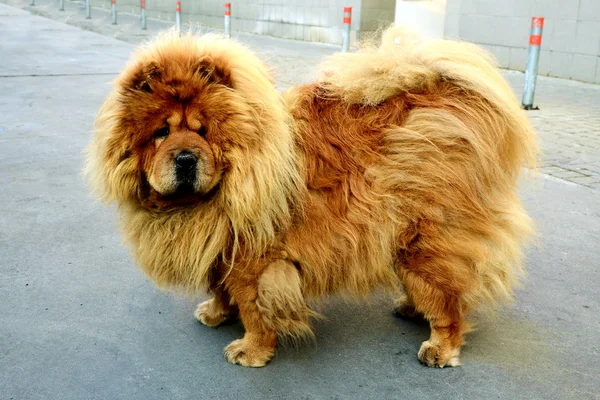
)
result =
(113, 11)
(178, 16)
(228, 19)
(346, 32)
(143, 5)
(533, 58)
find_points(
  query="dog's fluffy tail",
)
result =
(404, 63)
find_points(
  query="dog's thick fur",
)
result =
(398, 168)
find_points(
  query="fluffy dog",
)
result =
(397, 169)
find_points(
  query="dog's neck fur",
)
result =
(255, 203)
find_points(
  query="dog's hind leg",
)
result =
(404, 307)
(215, 311)
(442, 306)
(269, 306)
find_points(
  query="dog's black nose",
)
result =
(185, 161)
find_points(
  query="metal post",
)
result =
(32, 3)
(178, 16)
(535, 42)
(228, 19)
(346, 31)
(61, 5)
(113, 11)
(88, 9)
(143, 14)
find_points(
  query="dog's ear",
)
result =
(144, 77)
(214, 70)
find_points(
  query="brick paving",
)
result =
(568, 122)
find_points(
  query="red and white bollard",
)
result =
(143, 5)
(533, 58)
(113, 11)
(346, 31)
(178, 16)
(228, 19)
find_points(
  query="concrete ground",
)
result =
(79, 321)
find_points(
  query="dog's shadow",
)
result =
(347, 329)
(369, 333)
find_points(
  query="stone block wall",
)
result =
(571, 37)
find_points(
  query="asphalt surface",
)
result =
(79, 321)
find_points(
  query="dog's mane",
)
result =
(255, 198)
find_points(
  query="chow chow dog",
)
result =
(396, 169)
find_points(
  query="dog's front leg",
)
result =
(257, 346)
(270, 303)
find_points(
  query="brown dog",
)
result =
(398, 168)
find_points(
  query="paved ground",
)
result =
(79, 321)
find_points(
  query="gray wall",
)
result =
(376, 14)
(570, 42)
(310, 20)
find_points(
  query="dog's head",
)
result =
(188, 116)
(175, 113)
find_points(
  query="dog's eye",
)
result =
(162, 132)
(202, 131)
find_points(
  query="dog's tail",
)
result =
(404, 63)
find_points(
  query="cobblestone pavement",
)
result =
(568, 124)
(568, 121)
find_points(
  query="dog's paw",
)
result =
(433, 355)
(403, 308)
(247, 354)
(210, 315)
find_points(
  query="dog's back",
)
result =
(412, 151)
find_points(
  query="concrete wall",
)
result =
(310, 20)
(426, 16)
(571, 37)
(376, 14)
(127, 6)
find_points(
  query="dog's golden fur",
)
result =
(397, 168)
